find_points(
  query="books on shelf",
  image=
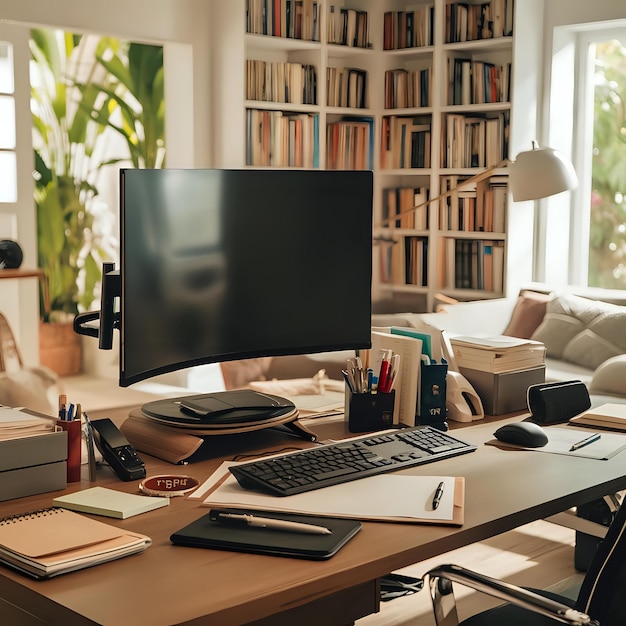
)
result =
(487, 20)
(498, 354)
(348, 27)
(406, 142)
(475, 140)
(109, 502)
(480, 207)
(350, 144)
(477, 82)
(611, 416)
(409, 29)
(408, 88)
(472, 264)
(294, 19)
(282, 139)
(53, 541)
(346, 87)
(294, 83)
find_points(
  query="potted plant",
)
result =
(84, 90)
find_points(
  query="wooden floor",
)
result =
(539, 554)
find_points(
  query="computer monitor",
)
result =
(219, 265)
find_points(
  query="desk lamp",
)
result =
(534, 174)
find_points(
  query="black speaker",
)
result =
(10, 254)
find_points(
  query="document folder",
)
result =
(206, 533)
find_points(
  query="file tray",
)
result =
(32, 465)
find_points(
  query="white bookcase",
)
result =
(233, 147)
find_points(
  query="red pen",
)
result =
(384, 371)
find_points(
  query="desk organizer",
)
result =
(366, 412)
(31, 465)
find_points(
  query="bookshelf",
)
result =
(419, 92)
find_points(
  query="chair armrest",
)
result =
(443, 599)
(608, 379)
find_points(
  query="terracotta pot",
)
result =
(60, 348)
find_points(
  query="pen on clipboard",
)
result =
(585, 442)
(438, 495)
(245, 519)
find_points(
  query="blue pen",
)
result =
(70, 413)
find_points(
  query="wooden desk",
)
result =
(33, 273)
(171, 584)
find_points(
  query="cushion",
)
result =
(528, 313)
(35, 388)
(582, 331)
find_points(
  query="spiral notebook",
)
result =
(53, 541)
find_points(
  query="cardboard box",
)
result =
(505, 392)
(31, 465)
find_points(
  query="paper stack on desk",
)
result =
(386, 497)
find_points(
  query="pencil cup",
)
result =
(369, 411)
(74, 442)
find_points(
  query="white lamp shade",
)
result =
(540, 173)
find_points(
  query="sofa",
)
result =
(585, 339)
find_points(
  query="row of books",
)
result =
(348, 27)
(405, 262)
(408, 29)
(480, 207)
(408, 88)
(472, 264)
(281, 82)
(295, 19)
(350, 144)
(400, 202)
(346, 87)
(282, 139)
(405, 142)
(469, 22)
(478, 82)
(475, 141)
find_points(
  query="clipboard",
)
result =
(206, 533)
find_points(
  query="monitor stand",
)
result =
(226, 412)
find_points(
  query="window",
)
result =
(598, 253)
(8, 163)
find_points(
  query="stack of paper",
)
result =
(498, 354)
(16, 423)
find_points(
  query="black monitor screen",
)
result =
(219, 265)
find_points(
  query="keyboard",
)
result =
(343, 461)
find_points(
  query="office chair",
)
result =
(601, 600)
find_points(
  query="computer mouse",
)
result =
(527, 434)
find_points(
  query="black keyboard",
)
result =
(348, 460)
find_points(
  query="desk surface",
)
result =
(171, 584)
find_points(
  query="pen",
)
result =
(585, 442)
(438, 495)
(244, 519)
(62, 407)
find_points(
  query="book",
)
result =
(498, 354)
(54, 541)
(206, 532)
(611, 416)
(109, 502)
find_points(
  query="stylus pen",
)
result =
(239, 519)
(438, 495)
(585, 442)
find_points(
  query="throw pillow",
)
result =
(582, 331)
(528, 313)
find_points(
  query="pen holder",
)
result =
(74, 442)
(369, 411)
